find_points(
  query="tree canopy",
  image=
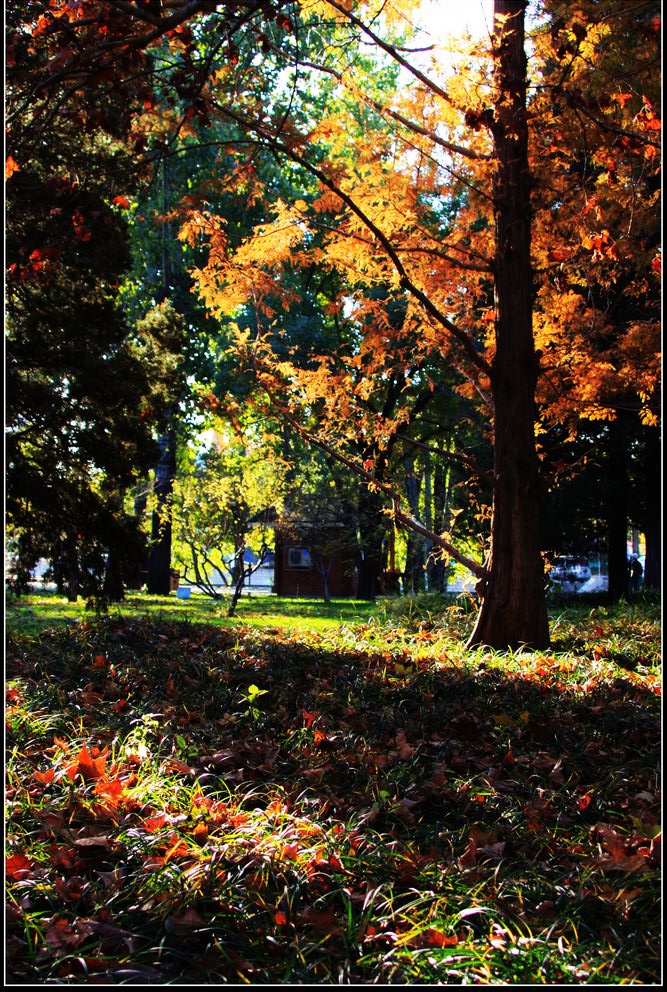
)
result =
(464, 220)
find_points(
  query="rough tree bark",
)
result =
(438, 505)
(650, 517)
(513, 608)
(616, 498)
(415, 553)
(159, 561)
(372, 524)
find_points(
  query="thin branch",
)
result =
(406, 283)
(619, 131)
(399, 515)
(437, 253)
(456, 456)
(392, 51)
(398, 117)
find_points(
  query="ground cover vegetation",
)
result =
(367, 803)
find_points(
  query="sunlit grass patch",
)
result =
(39, 610)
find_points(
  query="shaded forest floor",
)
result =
(359, 802)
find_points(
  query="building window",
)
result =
(298, 558)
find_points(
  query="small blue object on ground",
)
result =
(183, 592)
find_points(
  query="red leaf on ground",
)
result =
(494, 850)
(176, 765)
(288, 852)
(323, 920)
(113, 938)
(17, 865)
(200, 832)
(11, 167)
(154, 823)
(183, 923)
(656, 847)
(309, 717)
(70, 889)
(53, 822)
(313, 774)
(469, 857)
(62, 936)
(405, 750)
(62, 857)
(98, 840)
(177, 850)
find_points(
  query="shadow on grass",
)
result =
(540, 792)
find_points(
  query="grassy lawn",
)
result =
(337, 795)
(40, 610)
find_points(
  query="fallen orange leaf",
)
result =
(45, 777)
(154, 823)
(88, 765)
(111, 790)
(439, 939)
(11, 166)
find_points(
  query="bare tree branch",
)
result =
(399, 515)
(455, 456)
(289, 150)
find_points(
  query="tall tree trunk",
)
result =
(428, 520)
(237, 573)
(649, 513)
(616, 493)
(236, 595)
(324, 572)
(370, 571)
(653, 535)
(159, 560)
(513, 609)
(372, 531)
(414, 558)
(71, 569)
(134, 575)
(114, 587)
(442, 482)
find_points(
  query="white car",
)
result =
(597, 583)
(574, 569)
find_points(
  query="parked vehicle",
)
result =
(598, 583)
(574, 569)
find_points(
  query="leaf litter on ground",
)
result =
(366, 805)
